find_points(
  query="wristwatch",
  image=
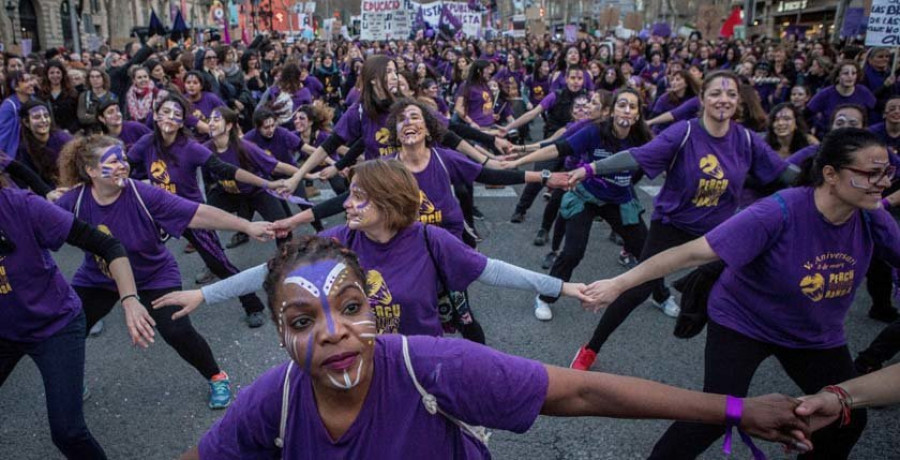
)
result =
(545, 176)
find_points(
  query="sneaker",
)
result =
(668, 306)
(584, 359)
(255, 319)
(615, 238)
(542, 310)
(476, 235)
(219, 391)
(96, 329)
(627, 260)
(476, 214)
(547, 196)
(189, 249)
(548, 260)
(204, 277)
(885, 315)
(517, 217)
(541, 238)
(237, 239)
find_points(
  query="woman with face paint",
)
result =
(109, 116)
(141, 217)
(41, 141)
(21, 87)
(845, 90)
(170, 159)
(844, 116)
(203, 102)
(571, 57)
(611, 197)
(346, 392)
(232, 196)
(142, 95)
(363, 120)
(779, 298)
(707, 161)
(42, 317)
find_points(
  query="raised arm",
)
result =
(212, 218)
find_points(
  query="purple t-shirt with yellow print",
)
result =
(705, 177)
(355, 124)
(790, 274)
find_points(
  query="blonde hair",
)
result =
(391, 188)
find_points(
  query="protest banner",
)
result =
(883, 28)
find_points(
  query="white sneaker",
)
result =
(542, 310)
(96, 329)
(669, 306)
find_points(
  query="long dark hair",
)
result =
(66, 85)
(234, 136)
(476, 73)
(837, 150)
(375, 69)
(289, 78)
(40, 156)
(639, 134)
(435, 130)
(692, 87)
(799, 139)
(182, 135)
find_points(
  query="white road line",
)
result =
(651, 190)
(505, 192)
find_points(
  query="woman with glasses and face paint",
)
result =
(21, 87)
(778, 297)
(41, 141)
(170, 159)
(845, 90)
(41, 316)
(348, 392)
(707, 161)
(138, 215)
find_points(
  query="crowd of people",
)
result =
(779, 160)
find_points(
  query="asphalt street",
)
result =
(149, 404)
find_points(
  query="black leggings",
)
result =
(884, 347)
(551, 211)
(207, 244)
(266, 205)
(660, 237)
(879, 281)
(179, 334)
(578, 232)
(731, 360)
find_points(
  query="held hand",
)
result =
(275, 184)
(282, 227)
(290, 185)
(510, 157)
(601, 293)
(259, 231)
(558, 180)
(140, 324)
(576, 291)
(820, 409)
(502, 131)
(328, 172)
(503, 145)
(576, 176)
(187, 300)
(54, 195)
(772, 417)
(507, 165)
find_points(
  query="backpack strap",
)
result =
(783, 205)
(78, 200)
(163, 235)
(684, 140)
(437, 267)
(466, 226)
(285, 399)
(430, 402)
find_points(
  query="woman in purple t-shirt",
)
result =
(706, 161)
(203, 101)
(42, 317)
(846, 90)
(41, 140)
(142, 217)
(474, 103)
(780, 298)
(170, 159)
(348, 393)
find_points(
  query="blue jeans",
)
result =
(60, 360)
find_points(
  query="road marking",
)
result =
(324, 194)
(651, 190)
(505, 192)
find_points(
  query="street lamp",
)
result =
(10, 8)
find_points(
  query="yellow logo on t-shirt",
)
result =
(101, 263)
(428, 214)
(199, 115)
(268, 152)
(709, 190)
(813, 286)
(387, 313)
(488, 105)
(5, 287)
(160, 174)
(838, 282)
(229, 186)
(382, 136)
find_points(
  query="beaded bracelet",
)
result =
(846, 402)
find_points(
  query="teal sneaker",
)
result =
(219, 391)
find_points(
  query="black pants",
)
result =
(578, 232)
(207, 244)
(731, 360)
(884, 347)
(532, 189)
(660, 237)
(879, 282)
(266, 205)
(179, 334)
(551, 211)
(559, 231)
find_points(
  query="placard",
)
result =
(883, 28)
(431, 13)
(385, 19)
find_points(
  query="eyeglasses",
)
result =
(875, 177)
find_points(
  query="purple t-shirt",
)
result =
(202, 108)
(704, 178)
(893, 143)
(438, 204)
(825, 101)
(591, 145)
(355, 123)
(353, 96)
(132, 131)
(54, 145)
(260, 164)
(799, 157)
(479, 104)
(779, 291)
(175, 172)
(402, 278)
(283, 145)
(560, 81)
(392, 419)
(35, 300)
(687, 110)
(539, 89)
(153, 265)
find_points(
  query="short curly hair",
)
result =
(436, 130)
